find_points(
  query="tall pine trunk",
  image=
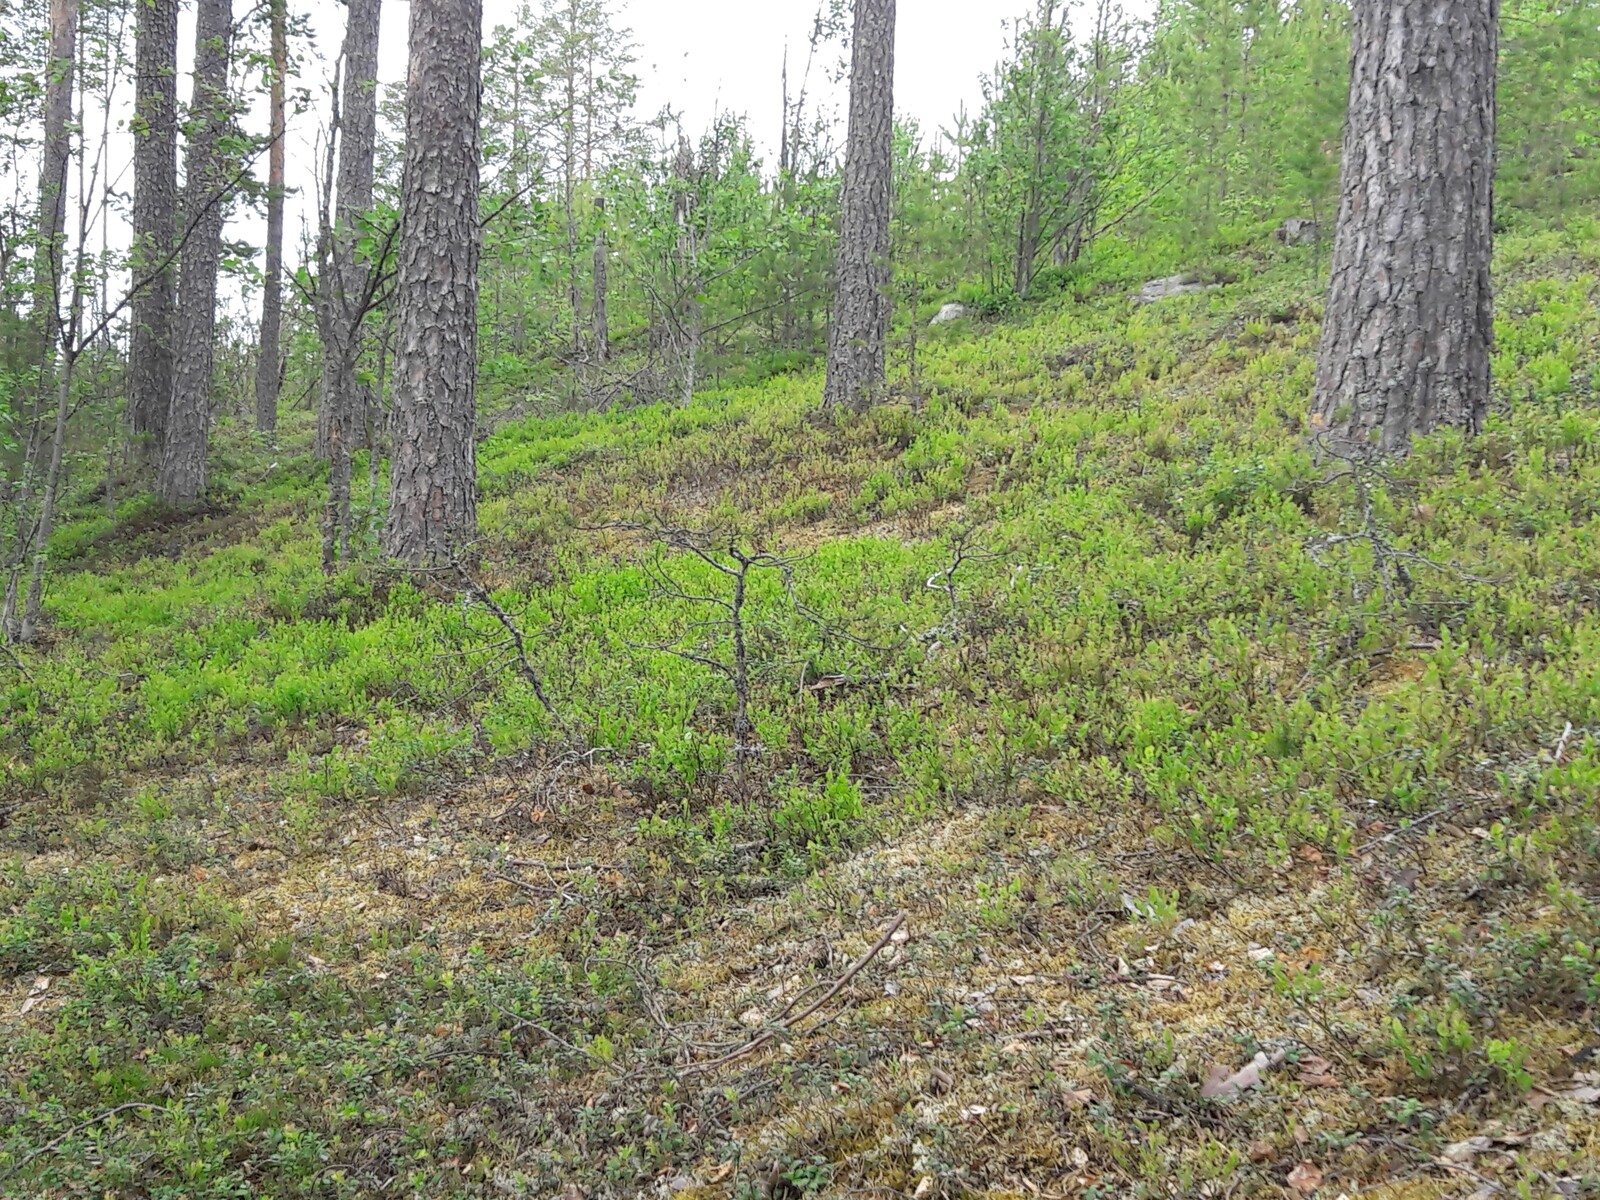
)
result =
(268, 366)
(48, 253)
(1410, 325)
(433, 507)
(183, 461)
(347, 285)
(53, 173)
(857, 340)
(155, 206)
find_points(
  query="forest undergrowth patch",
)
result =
(1153, 810)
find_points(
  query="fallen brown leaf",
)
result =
(1261, 1152)
(41, 984)
(1221, 1083)
(1317, 1072)
(1306, 1178)
(1465, 1152)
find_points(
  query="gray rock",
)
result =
(1172, 285)
(950, 312)
(1297, 231)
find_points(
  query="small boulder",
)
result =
(950, 312)
(1172, 285)
(1297, 231)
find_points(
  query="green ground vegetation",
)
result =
(1173, 746)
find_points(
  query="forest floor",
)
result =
(1133, 807)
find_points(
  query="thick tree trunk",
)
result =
(1409, 327)
(858, 338)
(602, 318)
(155, 207)
(347, 281)
(433, 510)
(269, 366)
(183, 461)
(53, 172)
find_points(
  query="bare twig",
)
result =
(97, 1119)
(524, 666)
(789, 1023)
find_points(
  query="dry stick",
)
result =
(78, 1128)
(564, 867)
(1419, 823)
(524, 666)
(762, 1039)
(1561, 746)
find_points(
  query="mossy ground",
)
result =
(1189, 759)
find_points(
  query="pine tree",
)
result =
(188, 426)
(1410, 318)
(268, 366)
(858, 338)
(432, 481)
(52, 230)
(155, 205)
(346, 284)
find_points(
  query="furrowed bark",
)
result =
(155, 208)
(858, 338)
(432, 479)
(268, 366)
(1410, 325)
(183, 461)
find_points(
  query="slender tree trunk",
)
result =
(433, 473)
(574, 284)
(379, 418)
(269, 367)
(569, 176)
(183, 461)
(685, 314)
(70, 352)
(47, 500)
(155, 207)
(602, 320)
(519, 139)
(1409, 327)
(1031, 221)
(53, 172)
(858, 339)
(48, 247)
(347, 278)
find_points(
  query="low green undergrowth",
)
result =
(1094, 567)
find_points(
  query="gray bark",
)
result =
(183, 460)
(433, 475)
(857, 340)
(155, 206)
(686, 310)
(569, 187)
(1409, 326)
(53, 172)
(602, 318)
(346, 283)
(268, 366)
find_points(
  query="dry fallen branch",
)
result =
(789, 1023)
(518, 641)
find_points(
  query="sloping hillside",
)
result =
(1130, 806)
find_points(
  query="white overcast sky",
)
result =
(705, 56)
(700, 57)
